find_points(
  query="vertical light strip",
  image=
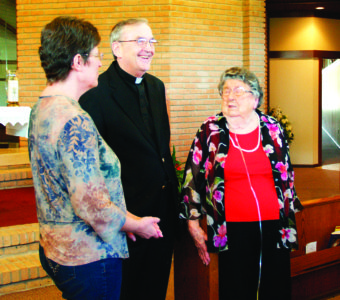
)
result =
(334, 141)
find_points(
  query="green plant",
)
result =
(277, 113)
(178, 168)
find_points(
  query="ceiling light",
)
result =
(319, 7)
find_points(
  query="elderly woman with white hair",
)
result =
(238, 173)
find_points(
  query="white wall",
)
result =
(294, 88)
(287, 34)
(293, 83)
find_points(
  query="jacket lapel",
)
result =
(155, 101)
(127, 102)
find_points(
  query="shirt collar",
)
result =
(129, 78)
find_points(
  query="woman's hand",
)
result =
(146, 227)
(199, 237)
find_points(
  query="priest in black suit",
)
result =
(129, 109)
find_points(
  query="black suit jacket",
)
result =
(146, 163)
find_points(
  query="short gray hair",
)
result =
(247, 77)
(116, 31)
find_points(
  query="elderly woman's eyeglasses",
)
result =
(238, 91)
(142, 42)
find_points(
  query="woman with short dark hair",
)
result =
(80, 202)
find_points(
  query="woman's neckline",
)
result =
(244, 134)
(237, 145)
(50, 96)
(247, 128)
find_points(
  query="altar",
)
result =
(15, 119)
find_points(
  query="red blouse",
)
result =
(240, 201)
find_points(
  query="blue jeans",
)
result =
(97, 280)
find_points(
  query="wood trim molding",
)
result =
(8, 26)
(306, 166)
(10, 62)
(321, 201)
(320, 111)
(10, 157)
(298, 54)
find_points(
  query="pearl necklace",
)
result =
(238, 144)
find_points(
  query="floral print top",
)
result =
(203, 182)
(79, 195)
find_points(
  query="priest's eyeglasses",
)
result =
(238, 92)
(142, 42)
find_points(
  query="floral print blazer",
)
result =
(79, 195)
(203, 182)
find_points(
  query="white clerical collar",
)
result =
(138, 80)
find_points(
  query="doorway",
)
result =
(331, 114)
